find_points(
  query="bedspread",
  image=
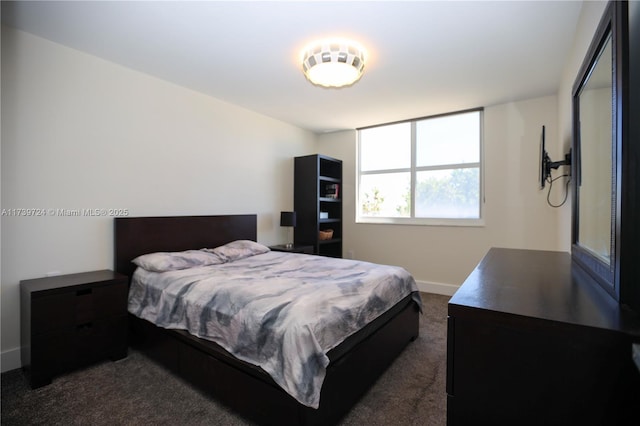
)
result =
(280, 311)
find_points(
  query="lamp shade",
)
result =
(288, 219)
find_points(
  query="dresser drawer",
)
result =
(77, 306)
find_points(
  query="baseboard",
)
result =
(437, 288)
(10, 360)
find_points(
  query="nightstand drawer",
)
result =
(85, 343)
(101, 302)
(52, 312)
(81, 305)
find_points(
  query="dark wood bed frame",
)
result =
(354, 365)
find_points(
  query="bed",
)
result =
(353, 365)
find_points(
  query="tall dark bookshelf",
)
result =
(318, 189)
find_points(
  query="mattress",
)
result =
(280, 311)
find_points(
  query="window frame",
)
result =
(413, 171)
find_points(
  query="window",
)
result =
(424, 171)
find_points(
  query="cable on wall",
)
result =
(550, 180)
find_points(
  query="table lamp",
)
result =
(288, 219)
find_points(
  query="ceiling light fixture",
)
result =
(333, 62)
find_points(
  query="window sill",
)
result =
(471, 223)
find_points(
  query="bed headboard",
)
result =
(134, 236)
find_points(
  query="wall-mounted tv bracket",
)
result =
(548, 164)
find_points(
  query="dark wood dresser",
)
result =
(532, 340)
(69, 321)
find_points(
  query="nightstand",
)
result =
(293, 249)
(69, 321)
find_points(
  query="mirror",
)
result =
(597, 138)
(594, 186)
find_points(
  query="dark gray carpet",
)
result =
(136, 391)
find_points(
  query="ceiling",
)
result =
(425, 57)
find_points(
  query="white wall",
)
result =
(516, 213)
(79, 132)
